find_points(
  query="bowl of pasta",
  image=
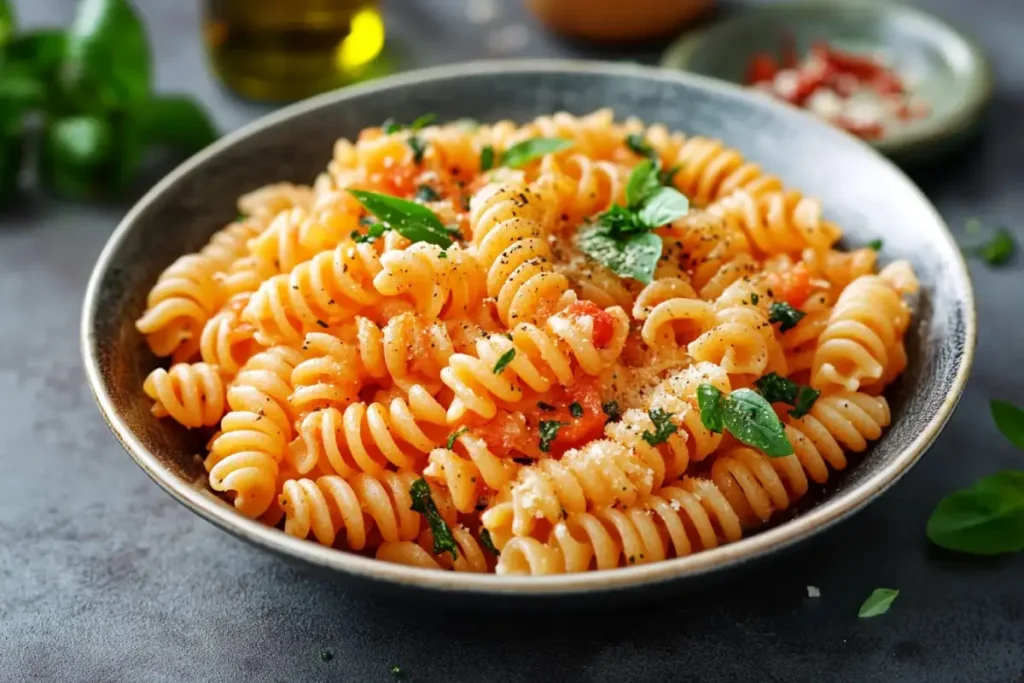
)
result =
(530, 328)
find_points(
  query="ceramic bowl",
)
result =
(861, 190)
(940, 64)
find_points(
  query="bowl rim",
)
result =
(909, 143)
(205, 504)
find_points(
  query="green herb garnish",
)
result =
(425, 193)
(418, 147)
(422, 121)
(611, 409)
(424, 504)
(875, 244)
(526, 151)
(639, 145)
(777, 389)
(754, 298)
(546, 407)
(390, 126)
(621, 238)
(998, 250)
(504, 360)
(663, 427)
(548, 432)
(486, 158)
(878, 602)
(784, 314)
(374, 231)
(575, 409)
(747, 416)
(668, 176)
(450, 444)
(395, 670)
(411, 220)
(488, 543)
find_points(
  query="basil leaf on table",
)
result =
(526, 151)
(106, 62)
(1010, 421)
(75, 156)
(632, 255)
(878, 603)
(998, 250)
(175, 121)
(751, 419)
(411, 220)
(985, 519)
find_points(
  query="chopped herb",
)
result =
(875, 244)
(425, 193)
(878, 602)
(390, 126)
(326, 655)
(418, 147)
(786, 315)
(709, 401)
(488, 543)
(668, 177)
(240, 217)
(450, 444)
(524, 152)
(443, 254)
(751, 419)
(373, 232)
(395, 670)
(754, 298)
(548, 432)
(611, 409)
(487, 158)
(422, 121)
(639, 145)
(546, 407)
(424, 504)
(322, 324)
(504, 360)
(575, 409)
(663, 427)
(776, 389)
(998, 250)
(411, 220)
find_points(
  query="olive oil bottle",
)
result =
(279, 50)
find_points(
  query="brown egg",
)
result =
(617, 20)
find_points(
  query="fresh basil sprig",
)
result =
(524, 152)
(411, 220)
(988, 517)
(424, 504)
(621, 238)
(778, 389)
(747, 416)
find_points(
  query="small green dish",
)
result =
(942, 65)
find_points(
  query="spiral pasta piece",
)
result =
(538, 360)
(370, 437)
(270, 200)
(672, 313)
(583, 186)
(297, 235)
(226, 341)
(708, 170)
(470, 556)
(468, 469)
(863, 341)
(330, 288)
(712, 253)
(190, 393)
(782, 222)
(441, 282)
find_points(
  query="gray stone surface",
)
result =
(104, 578)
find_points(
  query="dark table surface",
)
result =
(104, 578)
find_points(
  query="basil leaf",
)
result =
(634, 255)
(411, 220)
(878, 602)
(709, 401)
(575, 409)
(526, 151)
(418, 148)
(390, 126)
(38, 52)
(424, 504)
(751, 419)
(1010, 421)
(76, 155)
(875, 244)
(488, 543)
(663, 427)
(665, 205)
(637, 143)
(643, 182)
(985, 519)
(504, 360)
(548, 432)
(450, 444)
(175, 121)
(619, 219)
(998, 250)
(777, 389)
(486, 158)
(422, 121)
(786, 315)
(107, 62)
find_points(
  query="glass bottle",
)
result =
(280, 50)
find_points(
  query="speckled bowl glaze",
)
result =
(861, 191)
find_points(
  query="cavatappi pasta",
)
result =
(494, 397)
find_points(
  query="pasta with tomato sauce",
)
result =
(567, 345)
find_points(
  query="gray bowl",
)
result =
(860, 189)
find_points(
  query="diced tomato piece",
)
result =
(575, 431)
(399, 180)
(865, 68)
(868, 131)
(507, 433)
(762, 67)
(886, 83)
(794, 285)
(604, 323)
